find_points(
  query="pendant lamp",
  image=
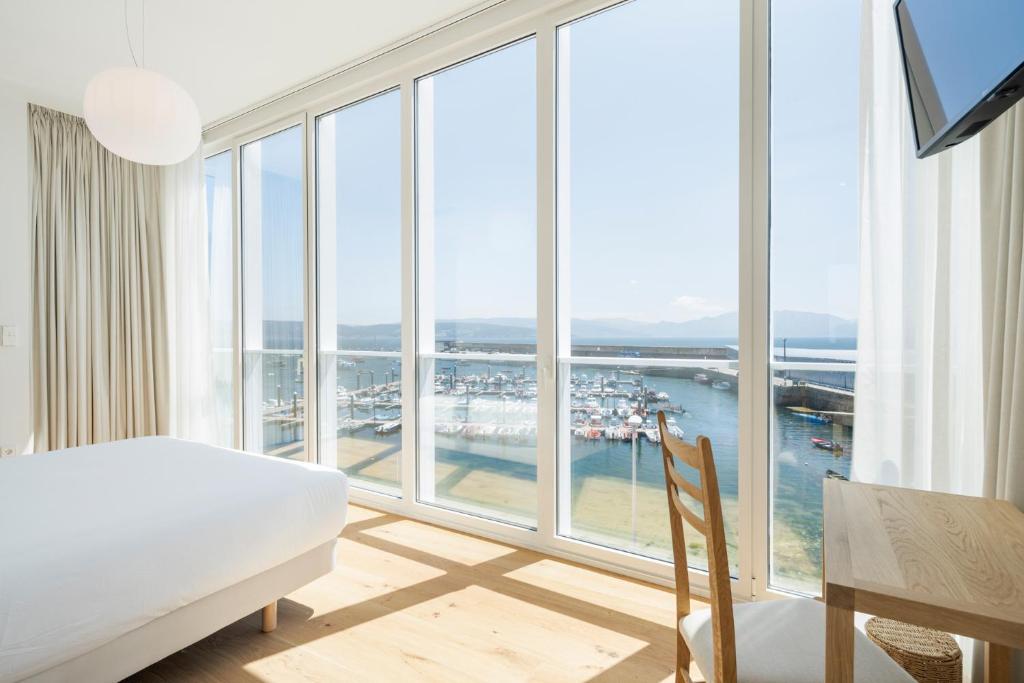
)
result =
(140, 114)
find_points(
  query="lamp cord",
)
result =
(128, 33)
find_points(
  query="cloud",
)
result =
(693, 307)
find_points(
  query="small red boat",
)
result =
(824, 444)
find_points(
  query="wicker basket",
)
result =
(927, 655)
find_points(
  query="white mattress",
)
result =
(99, 540)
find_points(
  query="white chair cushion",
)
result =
(783, 641)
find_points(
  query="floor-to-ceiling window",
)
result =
(218, 174)
(647, 159)
(273, 302)
(358, 166)
(476, 226)
(814, 200)
(554, 227)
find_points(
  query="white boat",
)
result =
(389, 427)
(721, 385)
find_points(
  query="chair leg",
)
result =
(269, 617)
(682, 659)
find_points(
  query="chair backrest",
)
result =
(710, 525)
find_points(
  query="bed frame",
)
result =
(186, 625)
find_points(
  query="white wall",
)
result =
(15, 272)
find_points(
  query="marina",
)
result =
(482, 420)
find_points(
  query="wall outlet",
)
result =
(8, 335)
(6, 451)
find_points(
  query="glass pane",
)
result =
(480, 453)
(647, 184)
(609, 425)
(476, 227)
(812, 439)
(220, 286)
(814, 195)
(359, 222)
(272, 295)
(648, 120)
(814, 271)
(476, 202)
(365, 414)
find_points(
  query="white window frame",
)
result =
(427, 354)
(267, 130)
(474, 33)
(313, 282)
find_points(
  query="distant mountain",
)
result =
(370, 331)
(483, 329)
(447, 329)
(791, 324)
(796, 324)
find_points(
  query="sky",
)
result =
(648, 165)
(362, 188)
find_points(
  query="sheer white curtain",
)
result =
(192, 405)
(940, 376)
(919, 390)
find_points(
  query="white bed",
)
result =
(116, 555)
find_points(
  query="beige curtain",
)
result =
(100, 338)
(1002, 183)
(1002, 245)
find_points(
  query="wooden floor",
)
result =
(411, 602)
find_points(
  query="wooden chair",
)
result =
(773, 641)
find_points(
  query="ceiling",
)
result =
(229, 54)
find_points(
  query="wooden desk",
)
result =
(953, 563)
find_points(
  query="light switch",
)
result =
(8, 335)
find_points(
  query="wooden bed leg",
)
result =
(269, 617)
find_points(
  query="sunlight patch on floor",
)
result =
(466, 550)
(597, 588)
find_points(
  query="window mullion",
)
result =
(547, 311)
(312, 392)
(410, 390)
(755, 344)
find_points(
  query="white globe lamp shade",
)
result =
(142, 116)
(635, 420)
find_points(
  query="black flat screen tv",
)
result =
(963, 61)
